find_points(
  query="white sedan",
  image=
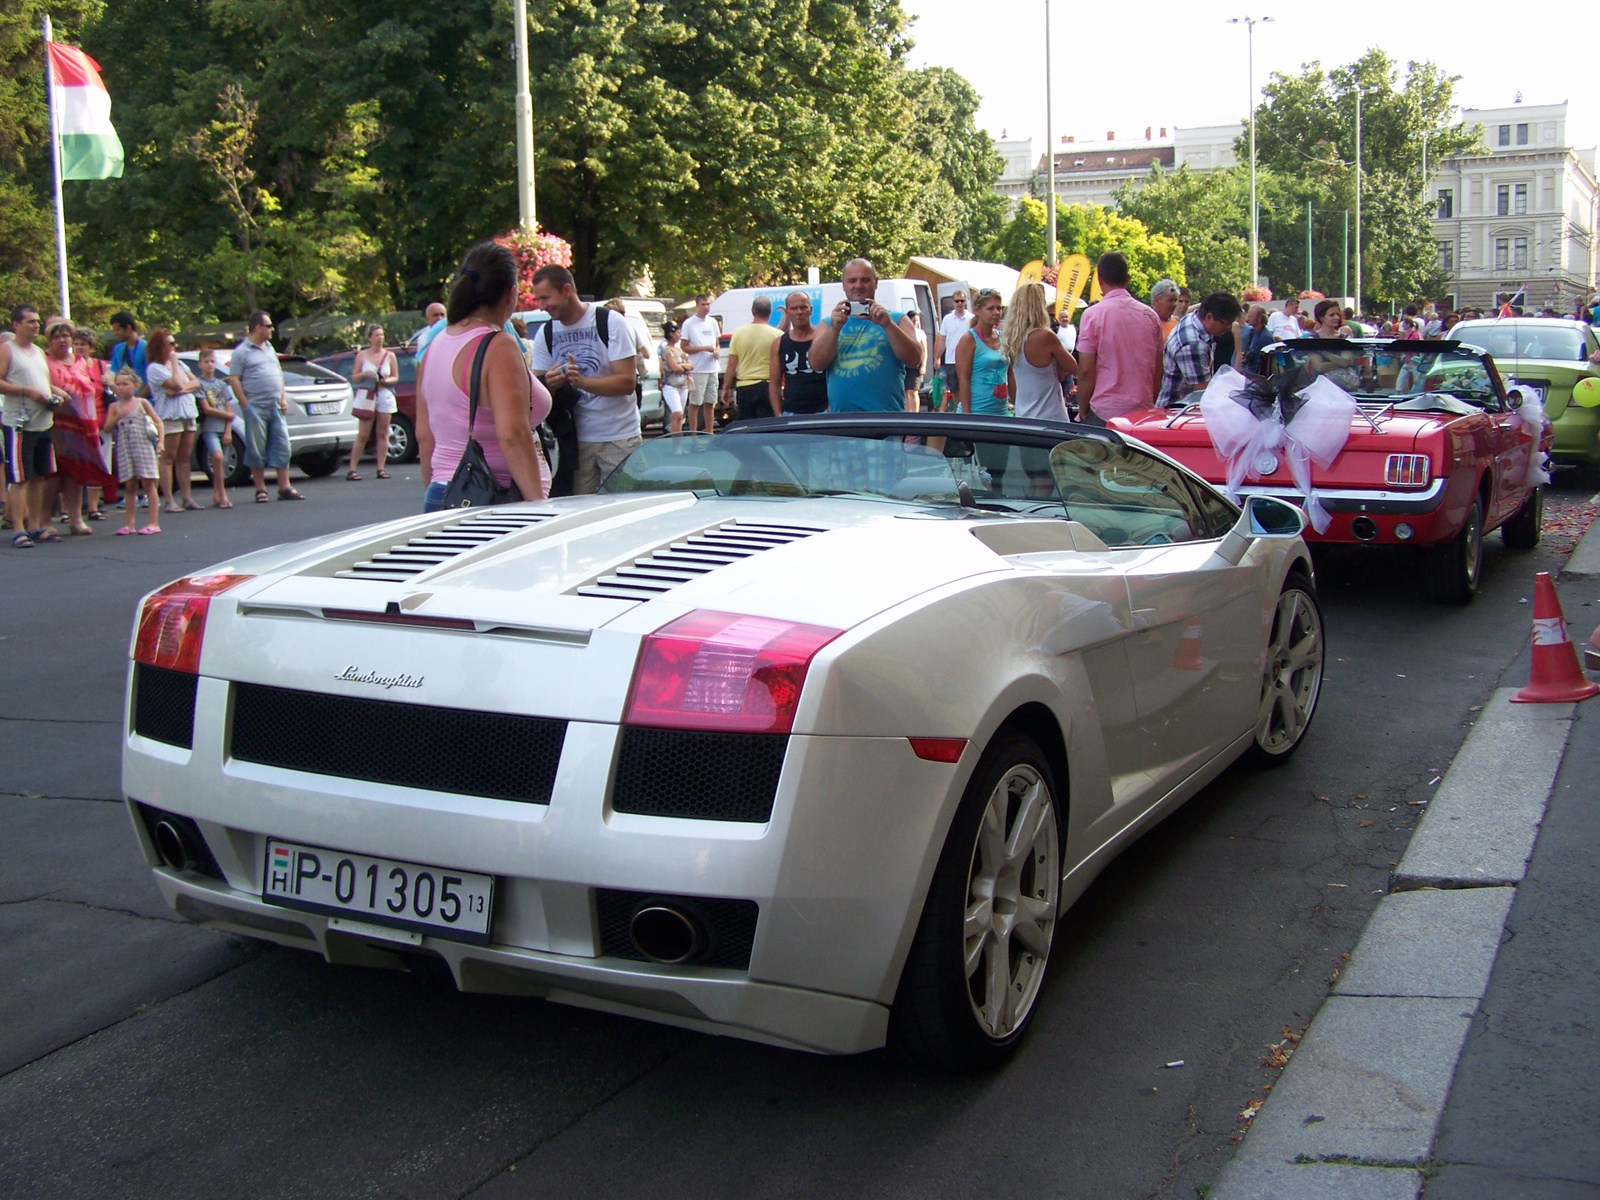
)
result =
(807, 733)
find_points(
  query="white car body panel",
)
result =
(951, 626)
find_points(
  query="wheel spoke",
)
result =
(1032, 937)
(997, 999)
(1304, 652)
(992, 836)
(1032, 813)
(979, 921)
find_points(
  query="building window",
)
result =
(1520, 199)
(1447, 203)
(1502, 254)
(1447, 257)
(1519, 254)
(1505, 135)
(1502, 200)
(1522, 135)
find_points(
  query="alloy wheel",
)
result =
(1012, 892)
(1293, 673)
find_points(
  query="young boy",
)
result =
(216, 424)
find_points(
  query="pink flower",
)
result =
(532, 251)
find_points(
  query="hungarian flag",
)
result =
(90, 148)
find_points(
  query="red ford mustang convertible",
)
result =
(1386, 443)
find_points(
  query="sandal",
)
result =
(45, 535)
(81, 531)
(383, 474)
(148, 529)
(191, 505)
(352, 476)
(223, 503)
(172, 508)
(96, 515)
(289, 494)
(261, 496)
(124, 530)
(21, 541)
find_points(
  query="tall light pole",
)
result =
(1050, 147)
(1358, 200)
(1250, 24)
(525, 211)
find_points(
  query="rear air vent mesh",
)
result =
(694, 773)
(665, 569)
(405, 561)
(163, 704)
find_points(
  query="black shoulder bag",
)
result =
(473, 485)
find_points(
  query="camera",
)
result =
(860, 308)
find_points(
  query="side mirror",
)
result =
(1263, 517)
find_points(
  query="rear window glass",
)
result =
(1524, 339)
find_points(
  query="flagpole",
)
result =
(55, 163)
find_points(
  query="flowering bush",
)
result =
(1311, 295)
(1254, 295)
(532, 251)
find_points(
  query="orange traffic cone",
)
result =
(1556, 677)
(1591, 652)
(1187, 656)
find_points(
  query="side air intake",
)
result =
(404, 562)
(661, 571)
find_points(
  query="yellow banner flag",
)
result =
(1074, 274)
(1095, 295)
(1032, 273)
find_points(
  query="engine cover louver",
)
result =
(667, 568)
(405, 561)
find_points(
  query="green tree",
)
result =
(959, 211)
(1305, 134)
(1092, 230)
(1205, 212)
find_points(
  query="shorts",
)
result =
(754, 400)
(950, 381)
(596, 460)
(703, 387)
(30, 454)
(266, 438)
(433, 497)
(172, 425)
(913, 379)
(673, 397)
(212, 441)
(366, 406)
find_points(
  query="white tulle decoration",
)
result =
(1531, 417)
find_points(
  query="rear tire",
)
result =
(1291, 680)
(1526, 526)
(402, 440)
(976, 967)
(320, 464)
(1455, 570)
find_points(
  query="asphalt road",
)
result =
(141, 1056)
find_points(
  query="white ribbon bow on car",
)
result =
(1530, 415)
(1316, 434)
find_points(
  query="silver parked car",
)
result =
(321, 429)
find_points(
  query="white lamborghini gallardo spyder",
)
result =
(806, 732)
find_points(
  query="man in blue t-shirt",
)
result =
(128, 349)
(864, 348)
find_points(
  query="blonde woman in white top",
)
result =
(1036, 359)
(374, 375)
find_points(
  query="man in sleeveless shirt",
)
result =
(794, 386)
(864, 348)
(30, 401)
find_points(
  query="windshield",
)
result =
(1390, 371)
(1525, 339)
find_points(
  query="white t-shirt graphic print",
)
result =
(599, 418)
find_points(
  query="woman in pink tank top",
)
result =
(511, 401)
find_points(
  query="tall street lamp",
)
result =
(1250, 24)
(1358, 198)
(1050, 146)
(525, 213)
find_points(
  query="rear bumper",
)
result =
(311, 435)
(1577, 435)
(1365, 517)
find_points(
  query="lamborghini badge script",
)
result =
(357, 675)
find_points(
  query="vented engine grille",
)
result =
(163, 705)
(407, 560)
(730, 925)
(687, 773)
(498, 755)
(691, 558)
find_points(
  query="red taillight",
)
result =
(172, 623)
(942, 750)
(722, 671)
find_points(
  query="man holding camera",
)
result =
(864, 348)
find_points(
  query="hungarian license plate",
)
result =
(324, 408)
(380, 891)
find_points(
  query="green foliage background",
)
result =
(326, 155)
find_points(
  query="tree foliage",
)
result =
(1092, 230)
(1207, 213)
(317, 154)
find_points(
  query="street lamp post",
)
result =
(525, 211)
(1250, 24)
(1358, 199)
(1050, 146)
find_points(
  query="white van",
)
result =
(732, 308)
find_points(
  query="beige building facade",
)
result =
(1090, 172)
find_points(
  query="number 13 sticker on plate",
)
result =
(382, 891)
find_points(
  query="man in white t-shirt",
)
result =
(1285, 326)
(955, 323)
(700, 335)
(570, 352)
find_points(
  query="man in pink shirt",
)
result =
(1119, 349)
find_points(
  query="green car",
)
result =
(1558, 357)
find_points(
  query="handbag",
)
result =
(473, 485)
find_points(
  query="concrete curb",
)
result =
(1356, 1111)
(1584, 562)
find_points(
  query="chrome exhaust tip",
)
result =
(665, 934)
(173, 847)
(1364, 528)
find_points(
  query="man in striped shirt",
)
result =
(1186, 361)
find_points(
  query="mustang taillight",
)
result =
(1407, 470)
(172, 623)
(722, 671)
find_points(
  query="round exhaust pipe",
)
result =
(666, 934)
(1364, 528)
(173, 847)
